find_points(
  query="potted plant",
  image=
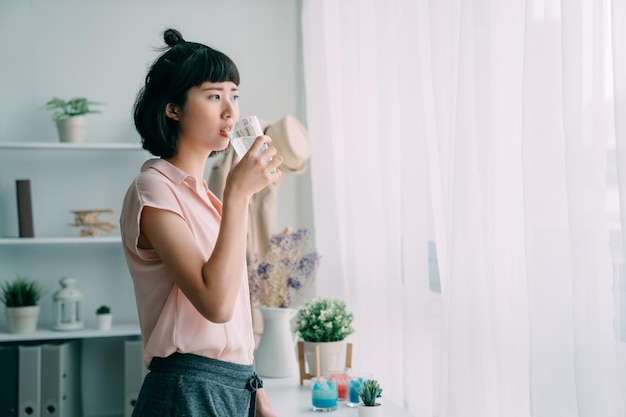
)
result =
(369, 393)
(21, 297)
(69, 117)
(324, 322)
(104, 317)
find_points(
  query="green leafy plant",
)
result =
(369, 392)
(324, 320)
(21, 293)
(103, 309)
(70, 108)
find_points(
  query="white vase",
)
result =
(370, 411)
(275, 356)
(104, 321)
(22, 319)
(332, 357)
(73, 129)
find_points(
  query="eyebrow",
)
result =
(218, 88)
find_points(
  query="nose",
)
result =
(230, 111)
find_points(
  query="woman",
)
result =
(184, 248)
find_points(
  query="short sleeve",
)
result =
(149, 189)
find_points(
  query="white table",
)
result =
(289, 399)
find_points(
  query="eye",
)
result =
(235, 98)
(214, 97)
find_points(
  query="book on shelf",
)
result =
(24, 208)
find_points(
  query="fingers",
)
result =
(274, 162)
(259, 144)
(268, 155)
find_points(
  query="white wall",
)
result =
(101, 50)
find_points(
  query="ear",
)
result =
(172, 111)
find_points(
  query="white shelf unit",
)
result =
(69, 240)
(66, 177)
(111, 146)
(118, 330)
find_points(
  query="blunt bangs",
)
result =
(204, 65)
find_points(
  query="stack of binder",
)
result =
(43, 380)
(29, 386)
(8, 381)
(60, 379)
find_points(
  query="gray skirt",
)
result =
(187, 385)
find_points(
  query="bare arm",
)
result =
(212, 285)
(263, 407)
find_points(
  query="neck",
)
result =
(190, 162)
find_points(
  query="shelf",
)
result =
(118, 330)
(71, 146)
(71, 240)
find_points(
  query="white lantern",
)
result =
(68, 302)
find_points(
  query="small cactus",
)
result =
(370, 390)
(103, 309)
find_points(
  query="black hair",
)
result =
(182, 66)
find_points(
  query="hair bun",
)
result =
(173, 37)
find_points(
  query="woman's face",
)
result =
(209, 114)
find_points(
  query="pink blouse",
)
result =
(169, 322)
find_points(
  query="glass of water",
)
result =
(245, 132)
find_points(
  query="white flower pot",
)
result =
(332, 356)
(73, 129)
(370, 411)
(22, 319)
(276, 355)
(104, 321)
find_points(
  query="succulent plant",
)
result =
(370, 390)
(103, 309)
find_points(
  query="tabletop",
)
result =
(290, 399)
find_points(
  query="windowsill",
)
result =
(289, 398)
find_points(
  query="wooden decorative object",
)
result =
(304, 374)
(91, 222)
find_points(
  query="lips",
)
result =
(227, 131)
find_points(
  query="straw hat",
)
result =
(292, 142)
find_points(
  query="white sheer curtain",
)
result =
(370, 181)
(484, 124)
